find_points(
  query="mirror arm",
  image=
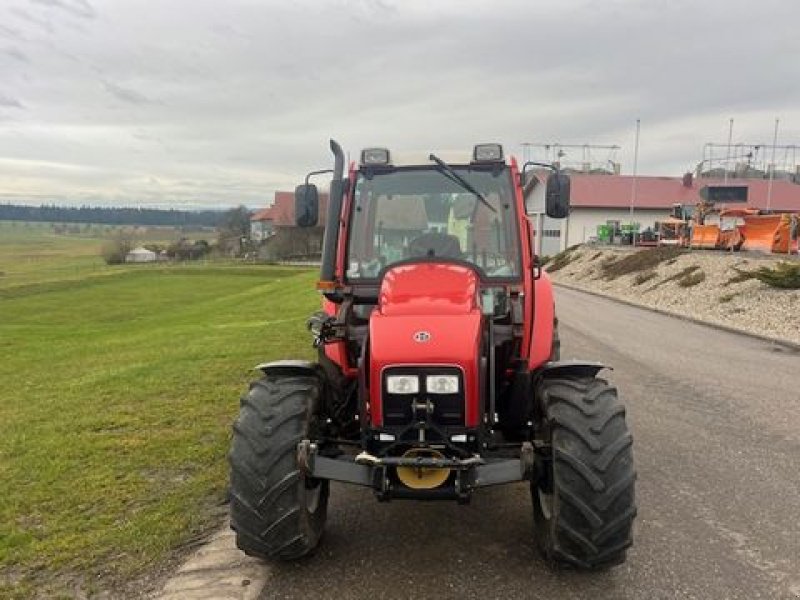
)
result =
(533, 163)
(320, 172)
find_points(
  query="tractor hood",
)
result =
(428, 289)
(428, 316)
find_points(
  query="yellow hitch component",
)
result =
(422, 478)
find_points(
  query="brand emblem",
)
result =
(422, 337)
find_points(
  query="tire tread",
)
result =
(268, 509)
(592, 475)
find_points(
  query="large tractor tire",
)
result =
(276, 511)
(583, 495)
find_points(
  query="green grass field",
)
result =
(32, 253)
(119, 386)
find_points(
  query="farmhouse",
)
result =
(141, 255)
(274, 229)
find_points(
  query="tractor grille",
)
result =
(447, 409)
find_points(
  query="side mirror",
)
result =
(306, 205)
(557, 195)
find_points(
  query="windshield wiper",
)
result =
(461, 181)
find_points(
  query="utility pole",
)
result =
(635, 168)
(772, 166)
(728, 155)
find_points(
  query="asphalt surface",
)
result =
(716, 423)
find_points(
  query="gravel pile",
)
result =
(699, 284)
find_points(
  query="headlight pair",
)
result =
(434, 384)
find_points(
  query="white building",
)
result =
(141, 255)
(605, 199)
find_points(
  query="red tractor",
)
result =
(439, 369)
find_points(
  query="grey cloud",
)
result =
(10, 32)
(365, 11)
(228, 30)
(16, 53)
(125, 94)
(146, 137)
(24, 15)
(78, 8)
(9, 102)
(226, 102)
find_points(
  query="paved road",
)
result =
(716, 424)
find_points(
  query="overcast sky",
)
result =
(213, 103)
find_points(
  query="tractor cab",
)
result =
(401, 213)
(433, 276)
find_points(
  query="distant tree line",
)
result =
(111, 216)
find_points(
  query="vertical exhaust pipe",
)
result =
(330, 240)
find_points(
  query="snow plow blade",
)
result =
(766, 233)
(705, 236)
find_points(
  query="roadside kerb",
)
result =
(218, 570)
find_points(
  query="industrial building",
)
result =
(622, 199)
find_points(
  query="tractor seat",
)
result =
(435, 244)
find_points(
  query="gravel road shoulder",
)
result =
(719, 296)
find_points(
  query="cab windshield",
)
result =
(423, 212)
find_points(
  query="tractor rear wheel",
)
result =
(583, 496)
(276, 511)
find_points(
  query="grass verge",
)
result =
(642, 260)
(644, 277)
(117, 398)
(784, 275)
(687, 274)
(692, 279)
(740, 277)
(562, 259)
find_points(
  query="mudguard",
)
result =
(289, 367)
(543, 318)
(578, 368)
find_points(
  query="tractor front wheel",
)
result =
(583, 495)
(276, 511)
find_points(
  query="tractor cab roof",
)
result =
(480, 154)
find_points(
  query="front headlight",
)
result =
(441, 384)
(402, 384)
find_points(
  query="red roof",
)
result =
(281, 212)
(262, 214)
(615, 191)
